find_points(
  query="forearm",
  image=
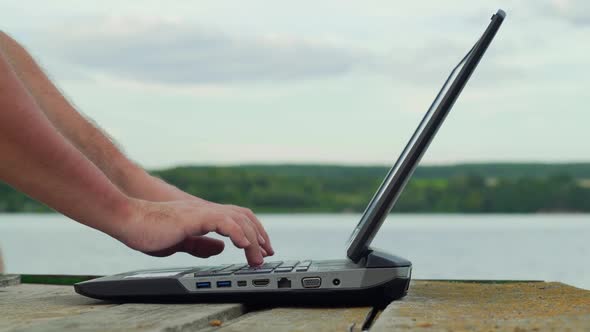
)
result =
(39, 161)
(87, 137)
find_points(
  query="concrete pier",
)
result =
(429, 306)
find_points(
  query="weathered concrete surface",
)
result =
(145, 317)
(25, 305)
(9, 280)
(58, 308)
(430, 306)
(453, 306)
(29, 307)
(301, 319)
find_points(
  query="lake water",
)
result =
(540, 247)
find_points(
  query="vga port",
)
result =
(311, 282)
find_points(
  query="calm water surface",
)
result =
(540, 247)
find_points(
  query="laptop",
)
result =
(367, 277)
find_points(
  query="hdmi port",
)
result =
(260, 282)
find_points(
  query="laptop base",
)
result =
(171, 291)
(376, 280)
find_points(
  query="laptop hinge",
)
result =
(380, 259)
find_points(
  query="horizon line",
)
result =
(442, 164)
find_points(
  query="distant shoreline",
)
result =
(360, 213)
(483, 188)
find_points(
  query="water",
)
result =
(538, 247)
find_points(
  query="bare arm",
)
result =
(38, 160)
(89, 139)
(98, 147)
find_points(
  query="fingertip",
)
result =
(257, 262)
(261, 259)
(203, 247)
(255, 259)
(269, 250)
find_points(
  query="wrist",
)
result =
(137, 183)
(142, 185)
(127, 212)
(129, 177)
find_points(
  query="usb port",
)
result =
(242, 283)
(225, 283)
(203, 284)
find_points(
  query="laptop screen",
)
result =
(400, 173)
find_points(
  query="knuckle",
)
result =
(228, 220)
(247, 228)
(238, 218)
(234, 228)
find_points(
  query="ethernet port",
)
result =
(284, 283)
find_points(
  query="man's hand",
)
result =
(55, 155)
(163, 228)
(142, 185)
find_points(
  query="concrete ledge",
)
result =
(429, 306)
(9, 280)
(488, 306)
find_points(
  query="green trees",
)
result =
(478, 188)
(14, 201)
(501, 188)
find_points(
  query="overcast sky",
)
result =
(231, 82)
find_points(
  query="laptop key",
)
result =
(290, 264)
(304, 263)
(218, 273)
(233, 267)
(208, 271)
(301, 268)
(283, 269)
(254, 271)
(206, 268)
(270, 265)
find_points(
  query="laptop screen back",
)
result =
(400, 173)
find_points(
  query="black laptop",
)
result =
(367, 276)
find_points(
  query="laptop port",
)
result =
(225, 283)
(311, 282)
(242, 283)
(260, 282)
(284, 283)
(336, 282)
(203, 284)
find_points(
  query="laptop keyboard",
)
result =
(241, 269)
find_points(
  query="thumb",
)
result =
(202, 246)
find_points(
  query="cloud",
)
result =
(164, 52)
(577, 12)
(176, 52)
(171, 52)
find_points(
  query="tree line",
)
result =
(470, 188)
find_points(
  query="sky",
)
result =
(182, 82)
